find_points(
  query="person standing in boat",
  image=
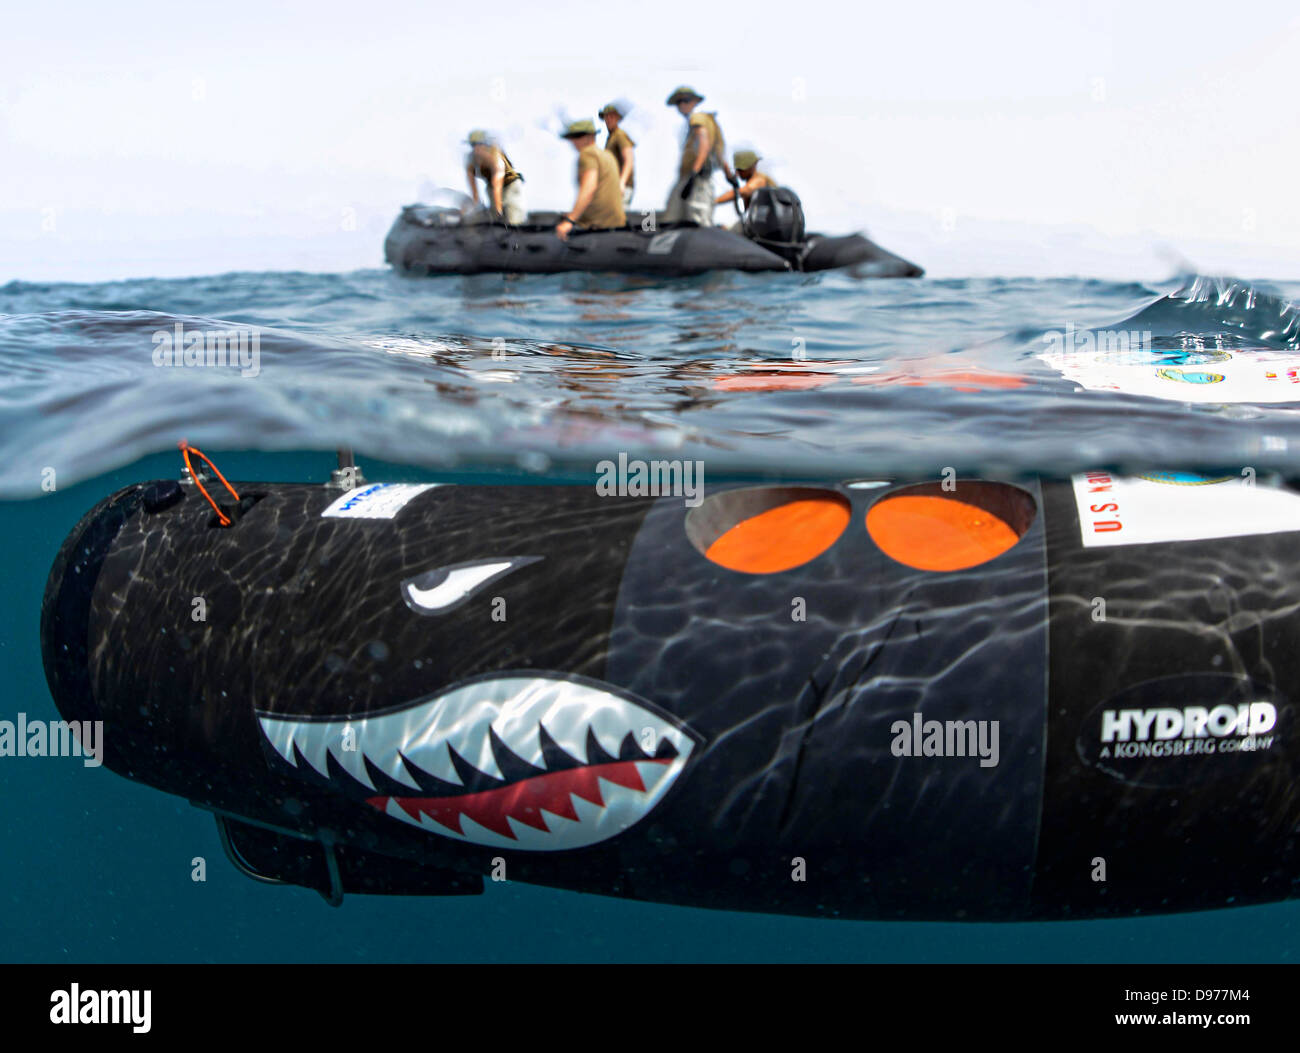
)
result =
(504, 186)
(751, 179)
(703, 152)
(600, 196)
(620, 144)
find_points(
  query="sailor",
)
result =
(600, 199)
(691, 198)
(504, 191)
(620, 144)
(751, 179)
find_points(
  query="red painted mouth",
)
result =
(523, 801)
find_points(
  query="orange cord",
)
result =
(222, 518)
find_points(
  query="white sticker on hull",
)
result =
(376, 501)
(1178, 506)
(1212, 376)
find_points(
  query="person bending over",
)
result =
(751, 178)
(503, 185)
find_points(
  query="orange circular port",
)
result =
(767, 530)
(930, 529)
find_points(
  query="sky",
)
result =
(1103, 138)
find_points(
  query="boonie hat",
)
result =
(577, 128)
(682, 94)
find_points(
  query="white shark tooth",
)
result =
(427, 822)
(467, 734)
(353, 760)
(279, 733)
(312, 741)
(412, 736)
(521, 713)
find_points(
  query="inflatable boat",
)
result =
(951, 699)
(432, 240)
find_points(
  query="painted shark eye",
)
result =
(764, 530)
(446, 588)
(929, 528)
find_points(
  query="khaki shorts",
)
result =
(512, 203)
(698, 208)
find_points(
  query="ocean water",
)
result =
(536, 379)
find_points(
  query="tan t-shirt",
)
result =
(617, 142)
(483, 159)
(717, 150)
(606, 208)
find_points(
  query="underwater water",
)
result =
(536, 379)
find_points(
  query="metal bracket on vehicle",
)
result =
(347, 476)
(324, 838)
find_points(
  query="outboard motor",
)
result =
(774, 220)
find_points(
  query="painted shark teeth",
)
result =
(541, 762)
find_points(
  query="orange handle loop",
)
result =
(186, 449)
